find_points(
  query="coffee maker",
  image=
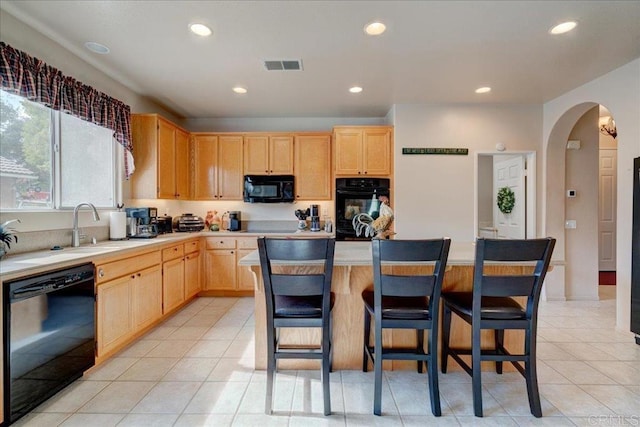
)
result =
(315, 217)
(235, 221)
(142, 223)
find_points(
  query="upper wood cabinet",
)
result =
(363, 150)
(161, 152)
(312, 160)
(268, 154)
(217, 167)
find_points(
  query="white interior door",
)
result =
(510, 173)
(607, 210)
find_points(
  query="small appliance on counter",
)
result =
(315, 217)
(142, 223)
(188, 222)
(165, 224)
(235, 221)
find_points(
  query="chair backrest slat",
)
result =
(514, 250)
(407, 286)
(505, 286)
(412, 251)
(297, 284)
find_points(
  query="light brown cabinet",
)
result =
(192, 283)
(161, 151)
(363, 150)
(312, 160)
(222, 272)
(129, 298)
(268, 154)
(217, 171)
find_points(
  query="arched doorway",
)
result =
(572, 199)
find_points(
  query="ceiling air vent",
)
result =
(280, 65)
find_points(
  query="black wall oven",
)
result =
(354, 196)
(49, 336)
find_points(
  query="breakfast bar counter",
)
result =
(352, 274)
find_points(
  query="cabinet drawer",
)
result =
(193, 246)
(248, 243)
(172, 252)
(221, 243)
(112, 270)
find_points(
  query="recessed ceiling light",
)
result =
(355, 89)
(97, 48)
(565, 27)
(240, 89)
(200, 29)
(484, 89)
(375, 28)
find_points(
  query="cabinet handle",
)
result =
(133, 276)
(175, 249)
(138, 274)
(365, 172)
(100, 272)
(231, 251)
(359, 172)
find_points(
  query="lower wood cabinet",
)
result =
(221, 270)
(129, 298)
(180, 274)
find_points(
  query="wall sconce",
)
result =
(609, 128)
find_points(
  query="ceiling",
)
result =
(432, 51)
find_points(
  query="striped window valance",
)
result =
(31, 78)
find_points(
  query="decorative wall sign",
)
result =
(430, 150)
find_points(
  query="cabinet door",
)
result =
(220, 269)
(191, 274)
(166, 160)
(172, 284)
(377, 151)
(205, 149)
(245, 276)
(115, 323)
(146, 295)
(230, 177)
(313, 167)
(281, 155)
(182, 174)
(256, 155)
(348, 152)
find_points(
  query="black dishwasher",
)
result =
(49, 335)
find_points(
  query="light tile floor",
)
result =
(196, 369)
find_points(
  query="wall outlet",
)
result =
(570, 223)
(571, 193)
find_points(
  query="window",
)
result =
(51, 160)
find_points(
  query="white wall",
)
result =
(434, 193)
(276, 124)
(619, 92)
(581, 175)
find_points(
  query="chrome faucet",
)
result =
(75, 233)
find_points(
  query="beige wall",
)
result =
(581, 175)
(619, 92)
(434, 194)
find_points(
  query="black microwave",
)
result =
(269, 189)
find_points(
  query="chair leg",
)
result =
(476, 370)
(326, 363)
(446, 329)
(420, 346)
(367, 337)
(271, 368)
(499, 342)
(432, 366)
(531, 375)
(377, 368)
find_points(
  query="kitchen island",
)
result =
(352, 274)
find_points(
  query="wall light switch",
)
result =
(570, 223)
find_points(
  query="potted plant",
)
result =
(7, 236)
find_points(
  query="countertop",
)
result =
(27, 263)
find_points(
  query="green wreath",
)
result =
(506, 200)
